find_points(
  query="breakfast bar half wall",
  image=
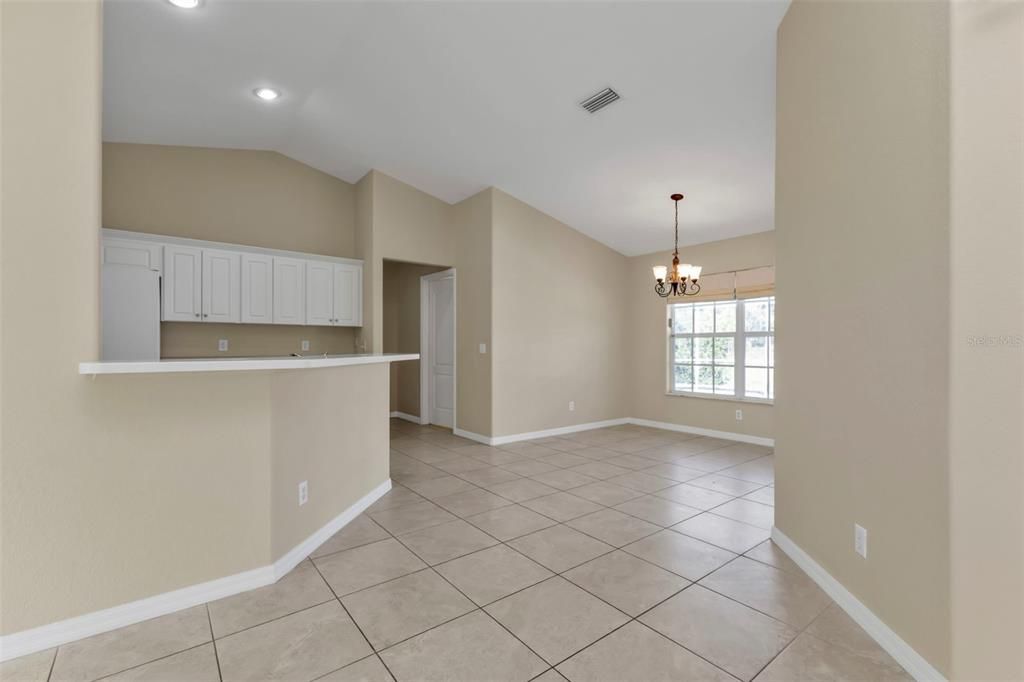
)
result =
(188, 487)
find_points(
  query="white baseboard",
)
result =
(407, 417)
(893, 644)
(711, 433)
(530, 435)
(486, 440)
(313, 542)
(562, 430)
(64, 631)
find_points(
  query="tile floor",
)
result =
(618, 554)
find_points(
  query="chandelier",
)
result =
(679, 280)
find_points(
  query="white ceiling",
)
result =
(453, 97)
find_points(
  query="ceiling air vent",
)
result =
(600, 100)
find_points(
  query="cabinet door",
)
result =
(118, 251)
(289, 291)
(348, 295)
(182, 286)
(222, 286)
(257, 288)
(319, 293)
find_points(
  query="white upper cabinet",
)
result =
(348, 295)
(319, 293)
(222, 286)
(334, 294)
(213, 282)
(131, 252)
(257, 288)
(289, 291)
(182, 286)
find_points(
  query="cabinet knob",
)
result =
(205, 315)
(197, 314)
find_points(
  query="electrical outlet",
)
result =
(860, 540)
(739, 415)
(305, 344)
(303, 493)
(222, 345)
(572, 405)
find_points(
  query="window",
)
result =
(723, 348)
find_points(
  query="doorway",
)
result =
(437, 349)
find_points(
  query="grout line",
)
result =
(213, 640)
(349, 665)
(53, 664)
(154, 660)
(348, 613)
(271, 620)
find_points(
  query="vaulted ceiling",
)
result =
(453, 97)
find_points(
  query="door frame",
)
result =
(425, 406)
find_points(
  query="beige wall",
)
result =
(473, 223)
(398, 222)
(987, 380)
(395, 221)
(559, 301)
(236, 196)
(328, 427)
(647, 357)
(191, 340)
(363, 215)
(402, 330)
(104, 482)
(123, 487)
(862, 249)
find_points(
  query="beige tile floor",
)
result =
(619, 554)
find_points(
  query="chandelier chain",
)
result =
(676, 251)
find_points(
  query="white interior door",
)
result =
(441, 351)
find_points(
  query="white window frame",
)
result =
(739, 352)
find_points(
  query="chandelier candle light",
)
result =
(679, 280)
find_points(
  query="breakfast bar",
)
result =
(169, 366)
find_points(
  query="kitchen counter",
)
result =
(240, 364)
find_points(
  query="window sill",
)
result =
(725, 398)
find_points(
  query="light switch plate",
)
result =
(222, 345)
(483, 348)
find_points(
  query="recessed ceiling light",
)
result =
(185, 4)
(266, 94)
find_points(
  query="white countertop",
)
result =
(239, 364)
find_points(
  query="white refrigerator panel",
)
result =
(130, 308)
